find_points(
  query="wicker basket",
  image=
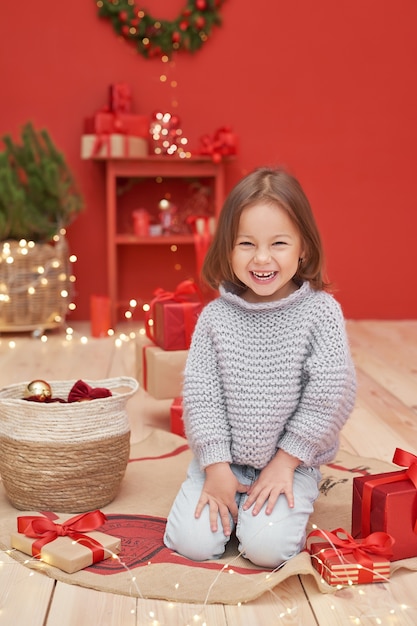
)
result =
(64, 457)
(35, 285)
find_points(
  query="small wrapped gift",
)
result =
(159, 371)
(120, 98)
(388, 502)
(174, 315)
(340, 560)
(176, 411)
(115, 146)
(70, 545)
(106, 122)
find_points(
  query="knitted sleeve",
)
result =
(328, 390)
(205, 419)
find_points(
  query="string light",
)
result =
(23, 271)
(360, 599)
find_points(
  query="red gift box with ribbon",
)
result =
(340, 560)
(388, 502)
(69, 545)
(174, 315)
(106, 122)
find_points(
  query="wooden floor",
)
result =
(385, 417)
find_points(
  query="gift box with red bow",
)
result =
(340, 560)
(69, 545)
(388, 502)
(159, 371)
(115, 133)
(174, 315)
(176, 421)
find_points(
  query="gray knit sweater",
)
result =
(264, 376)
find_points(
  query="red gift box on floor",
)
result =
(176, 411)
(174, 315)
(388, 502)
(340, 560)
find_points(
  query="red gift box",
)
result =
(176, 411)
(174, 315)
(108, 122)
(340, 560)
(388, 502)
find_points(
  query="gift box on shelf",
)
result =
(108, 122)
(159, 371)
(388, 502)
(113, 146)
(69, 545)
(340, 560)
(174, 316)
(176, 421)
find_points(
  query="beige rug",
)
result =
(148, 569)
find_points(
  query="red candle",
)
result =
(100, 315)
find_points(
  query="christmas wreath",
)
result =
(154, 37)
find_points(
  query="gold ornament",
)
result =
(39, 389)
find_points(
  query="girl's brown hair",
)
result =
(274, 186)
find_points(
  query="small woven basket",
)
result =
(64, 457)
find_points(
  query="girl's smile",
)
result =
(267, 252)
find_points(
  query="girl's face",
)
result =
(266, 253)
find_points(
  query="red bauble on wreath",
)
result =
(154, 37)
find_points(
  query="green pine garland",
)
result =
(153, 37)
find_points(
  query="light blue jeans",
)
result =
(266, 540)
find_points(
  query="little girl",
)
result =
(269, 380)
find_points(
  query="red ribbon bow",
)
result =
(44, 531)
(402, 458)
(222, 143)
(83, 391)
(340, 543)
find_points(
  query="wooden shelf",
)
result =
(152, 167)
(168, 240)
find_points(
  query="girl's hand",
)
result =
(276, 478)
(219, 492)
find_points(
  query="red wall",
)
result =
(326, 88)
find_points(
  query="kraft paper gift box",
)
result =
(388, 502)
(340, 560)
(176, 412)
(69, 553)
(159, 371)
(118, 146)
